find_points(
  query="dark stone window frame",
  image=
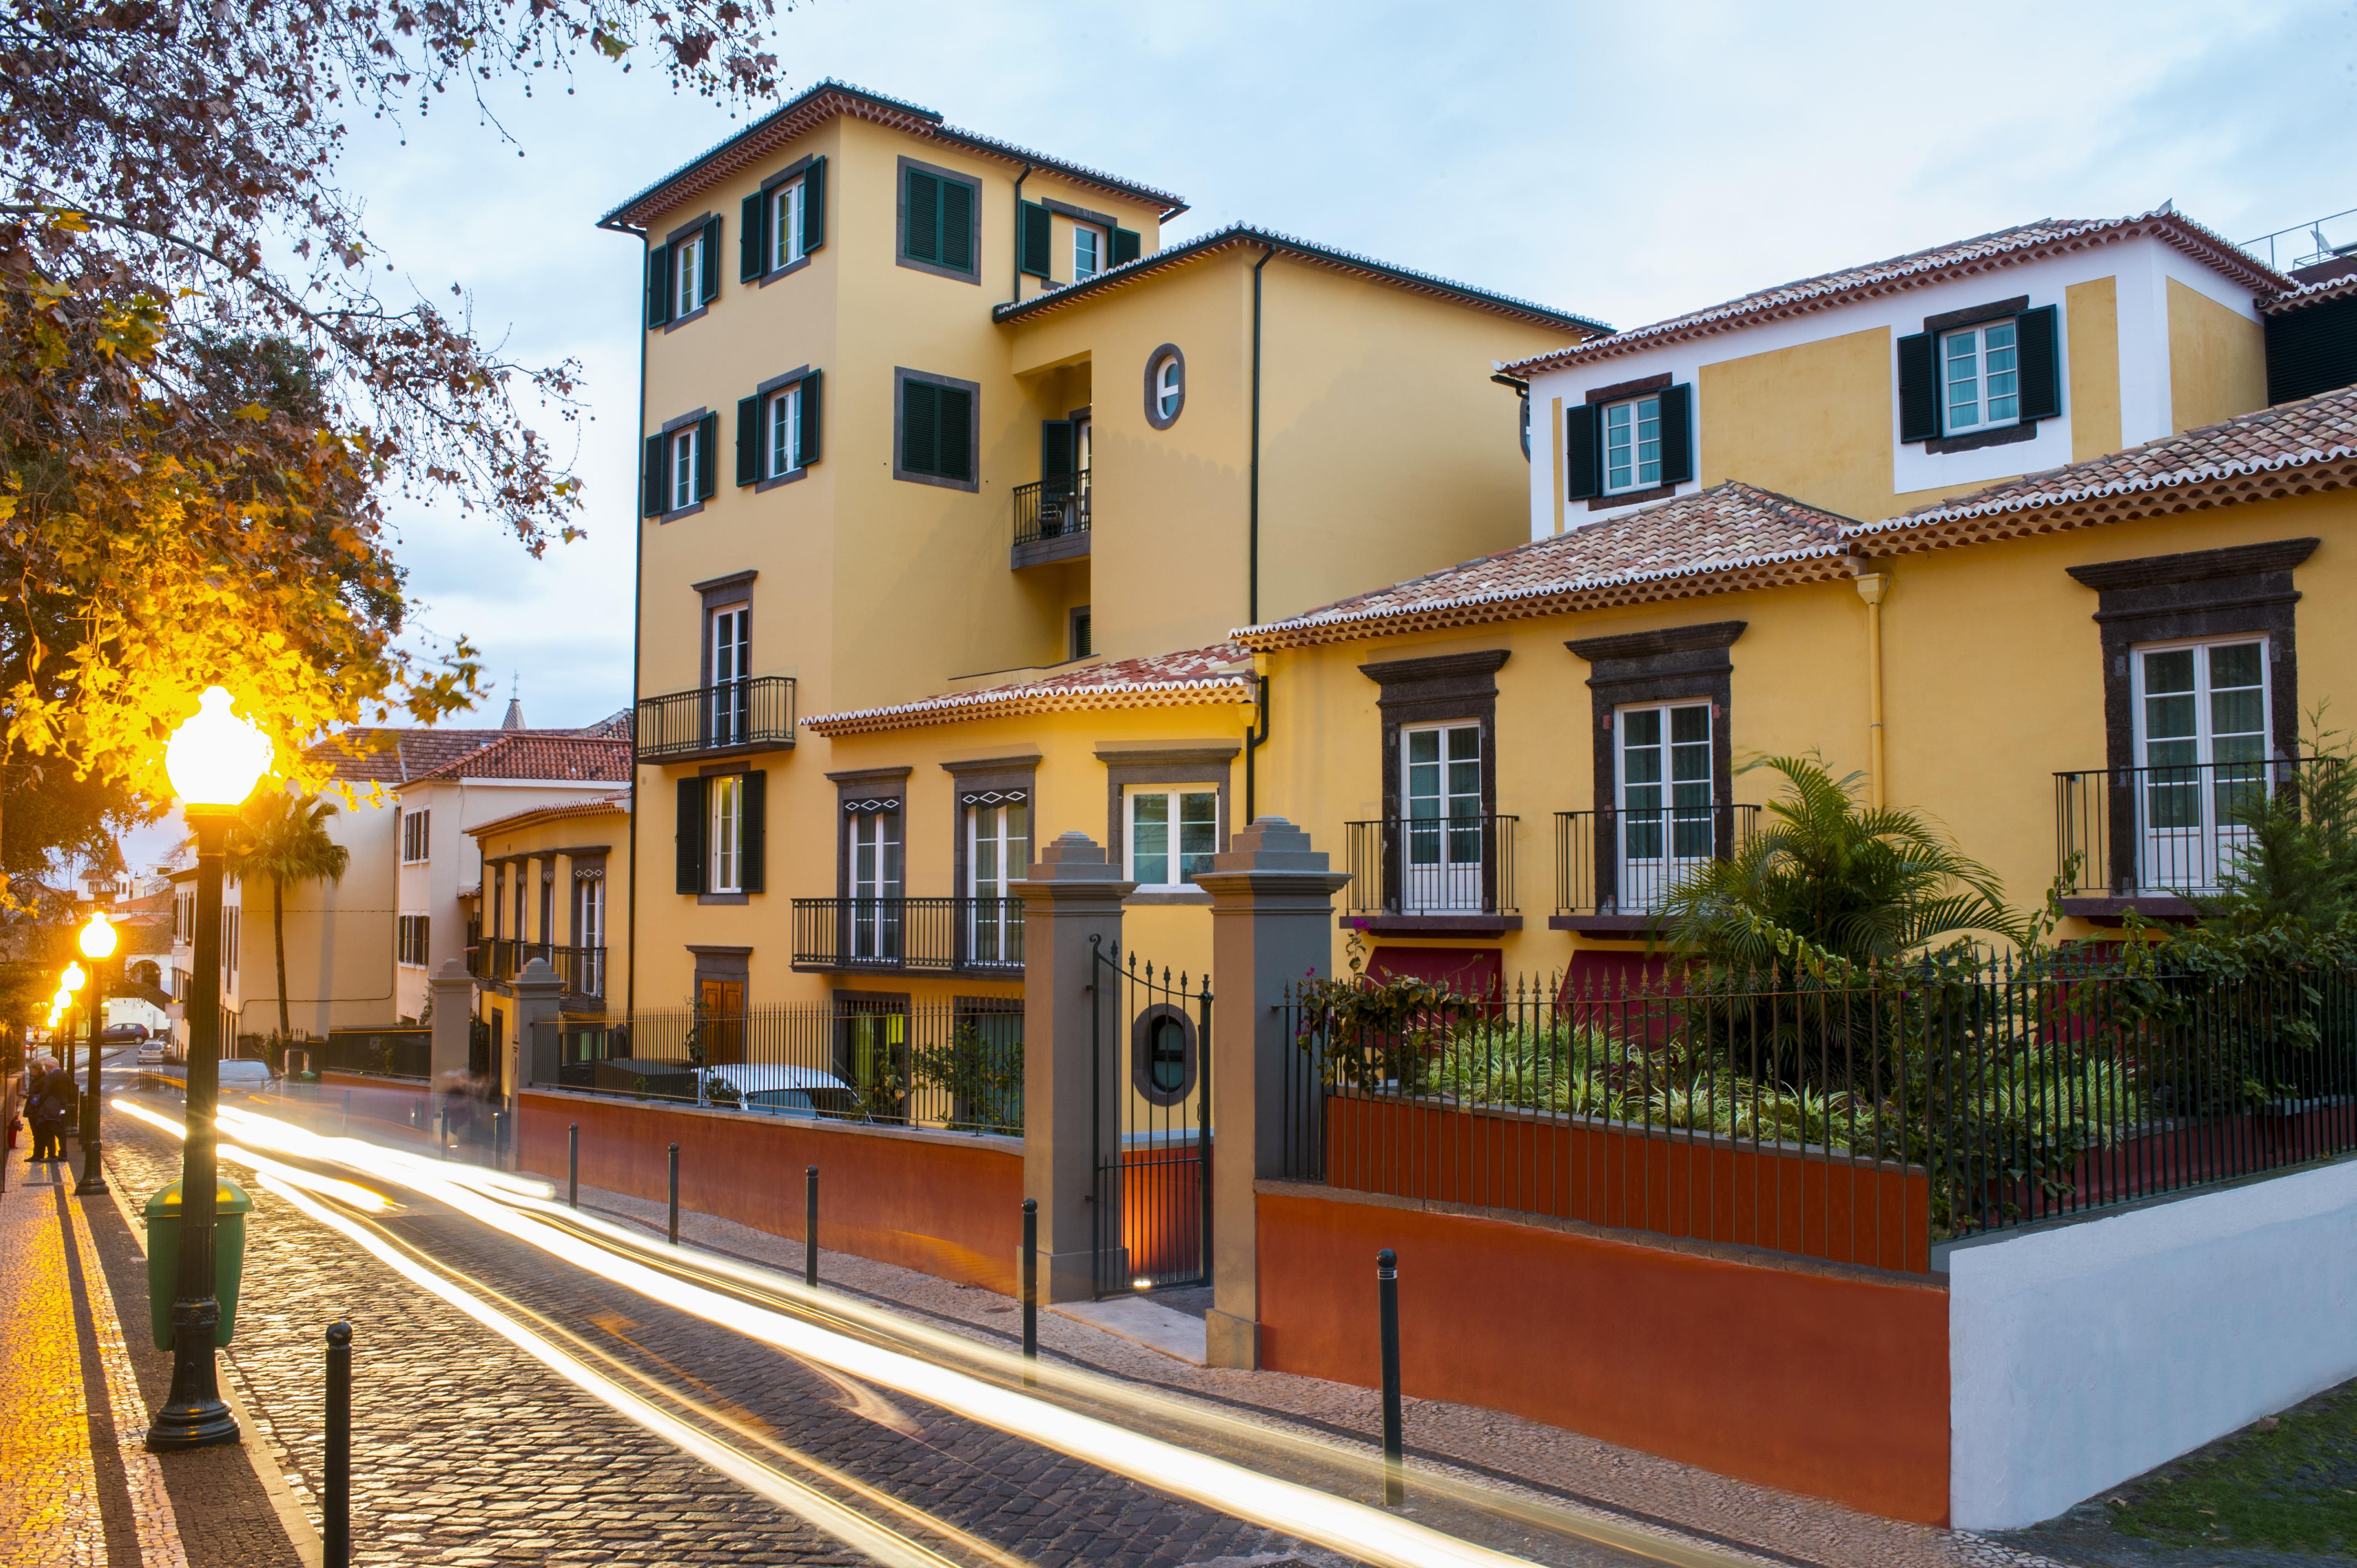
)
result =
(1949, 321)
(1620, 391)
(670, 428)
(799, 167)
(720, 770)
(722, 963)
(720, 594)
(692, 228)
(1003, 774)
(764, 392)
(902, 375)
(900, 230)
(2244, 590)
(1675, 664)
(1194, 762)
(1166, 352)
(1446, 688)
(858, 785)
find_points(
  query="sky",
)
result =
(1627, 163)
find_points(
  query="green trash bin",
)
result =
(231, 1206)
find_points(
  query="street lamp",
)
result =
(97, 944)
(214, 759)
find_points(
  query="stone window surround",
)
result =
(1172, 762)
(867, 784)
(901, 228)
(1446, 688)
(1012, 771)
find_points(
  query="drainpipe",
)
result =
(1252, 596)
(1874, 587)
(1254, 737)
(638, 637)
(1019, 179)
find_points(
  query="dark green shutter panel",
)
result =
(658, 286)
(748, 439)
(2042, 369)
(921, 422)
(1583, 462)
(920, 200)
(707, 439)
(753, 237)
(1125, 242)
(957, 434)
(749, 836)
(688, 835)
(653, 476)
(1677, 433)
(2312, 350)
(708, 286)
(957, 225)
(1055, 448)
(815, 204)
(1033, 248)
(810, 430)
(1919, 388)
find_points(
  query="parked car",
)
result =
(779, 1091)
(122, 1034)
(244, 1076)
(153, 1053)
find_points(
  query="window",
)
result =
(2202, 748)
(998, 851)
(1165, 386)
(678, 469)
(688, 262)
(777, 428)
(1162, 1054)
(873, 864)
(731, 701)
(938, 210)
(726, 837)
(1665, 797)
(1084, 642)
(589, 910)
(1173, 833)
(1444, 833)
(412, 941)
(786, 224)
(937, 430)
(1980, 377)
(1088, 252)
(415, 835)
(785, 432)
(719, 834)
(1632, 444)
(1166, 389)
(683, 455)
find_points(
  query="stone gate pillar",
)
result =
(1272, 924)
(1073, 894)
(453, 991)
(538, 997)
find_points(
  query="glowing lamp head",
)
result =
(62, 1001)
(72, 979)
(97, 938)
(214, 757)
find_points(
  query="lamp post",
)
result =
(69, 982)
(98, 939)
(214, 759)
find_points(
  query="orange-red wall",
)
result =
(1814, 1380)
(953, 1209)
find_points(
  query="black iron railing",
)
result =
(501, 960)
(923, 935)
(1052, 507)
(2164, 831)
(728, 716)
(1624, 861)
(1432, 866)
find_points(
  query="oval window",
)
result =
(1162, 1046)
(1165, 386)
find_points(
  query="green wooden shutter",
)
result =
(1677, 433)
(750, 839)
(658, 286)
(809, 431)
(653, 478)
(1583, 454)
(957, 225)
(753, 237)
(815, 204)
(688, 835)
(2312, 350)
(2039, 337)
(1919, 387)
(1126, 243)
(708, 286)
(1032, 250)
(1055, 448)
(920, 424)
(957, 432)
(920, 227)
(707, 440)
(748, 439)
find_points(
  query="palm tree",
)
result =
(283, 840)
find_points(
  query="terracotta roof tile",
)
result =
(603, 805)
(1218, 673)
(2300, 298)
(530, 755)
(2005, 248)
(395, 756)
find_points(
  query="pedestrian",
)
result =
(50, 1102)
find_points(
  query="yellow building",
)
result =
(551, 873)
(876, 469)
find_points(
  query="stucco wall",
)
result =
(2090, 1353)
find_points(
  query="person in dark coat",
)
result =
(47, 1105)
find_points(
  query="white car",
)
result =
(244, 1075)
(777, 1090)
(152, 1053)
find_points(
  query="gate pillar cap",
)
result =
(1074, 857)
(1270, 843)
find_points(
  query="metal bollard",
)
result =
(671, 1225)
(810, 1228)
(337, 1502)
(573, 1165)
(348, 1113)
(499, 1140)
(1387, 1308)
(1030, 1289)
(443, 1141)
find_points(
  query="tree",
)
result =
(2297, 862)
(282, 838)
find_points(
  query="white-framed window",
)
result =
(1168, 389)
(1664, 796)
(416, 835)
(1980, 377)
(874, 880)
(786, 224)
(1632, 444)
(2201, 751)
(1173, 832)
(726, 839)
(682, 467)
(730, 649)
(688, 262)
(588, 911)
(784, 447)
(1088, 252)
(998, 850)
(1443, 834)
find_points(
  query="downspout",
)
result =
(638, 638)
(1251, 548)
(1255, 735)
(1874, 587)
(1017, 298)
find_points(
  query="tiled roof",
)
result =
(1244, 234)
(1942, 264)
(530, 755)
(831, 98)
(613, 726)
(1218, 673)
(2300, 298)
(395, 756)
(618, 803)
(1732, 535)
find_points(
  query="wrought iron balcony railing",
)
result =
(500, 960)
(1432, 866)
(733, 715)
(922, 935)
(2127, 832)
(1051, 509)
(1624, 861)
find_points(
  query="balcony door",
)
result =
(1665, 797)
(998, 850)
(731, 708)
(1442, 836)
(874, 862)
(2201, 751)
(589, 934)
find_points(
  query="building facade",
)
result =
(553, 878)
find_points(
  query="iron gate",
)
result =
(1151, 1114)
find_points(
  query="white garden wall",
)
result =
(2084, 1355)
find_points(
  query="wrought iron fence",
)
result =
(974, 936)
(582, 970)
(723, 717)
(957, 1065)
(1432, 866)
(1150, 1119)
(1625, 862)
(1861, 1122)
(1051, 507)
(2175, 830)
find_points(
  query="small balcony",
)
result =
(1614, 869)
(728, 719)
(1431, 876)
(1051, 520)
(499, 960)
(2153, 840)
(910, 936)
